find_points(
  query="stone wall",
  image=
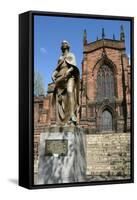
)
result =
(108, 156)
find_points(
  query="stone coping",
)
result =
(88, 131)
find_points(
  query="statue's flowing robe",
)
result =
(60, 93)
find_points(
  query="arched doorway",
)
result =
(106, 121)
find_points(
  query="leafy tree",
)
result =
(39, 88)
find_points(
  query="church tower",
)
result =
(105, 85)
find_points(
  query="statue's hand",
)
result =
(53, 78)
(68, 72)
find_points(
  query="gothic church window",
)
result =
(105, 82)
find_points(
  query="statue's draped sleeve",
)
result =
(70, 59)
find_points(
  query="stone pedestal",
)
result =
(62, 155)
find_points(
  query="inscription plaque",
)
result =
(59, 147)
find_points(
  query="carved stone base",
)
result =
(62, 155)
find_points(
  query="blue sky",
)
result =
(50, 31)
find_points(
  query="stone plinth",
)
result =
(63, 160)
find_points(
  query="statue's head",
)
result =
(65, 45)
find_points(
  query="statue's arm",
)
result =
(54, 75)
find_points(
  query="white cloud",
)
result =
(43, 50)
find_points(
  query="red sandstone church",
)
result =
(105, 100)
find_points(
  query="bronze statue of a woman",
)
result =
(66, 79)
